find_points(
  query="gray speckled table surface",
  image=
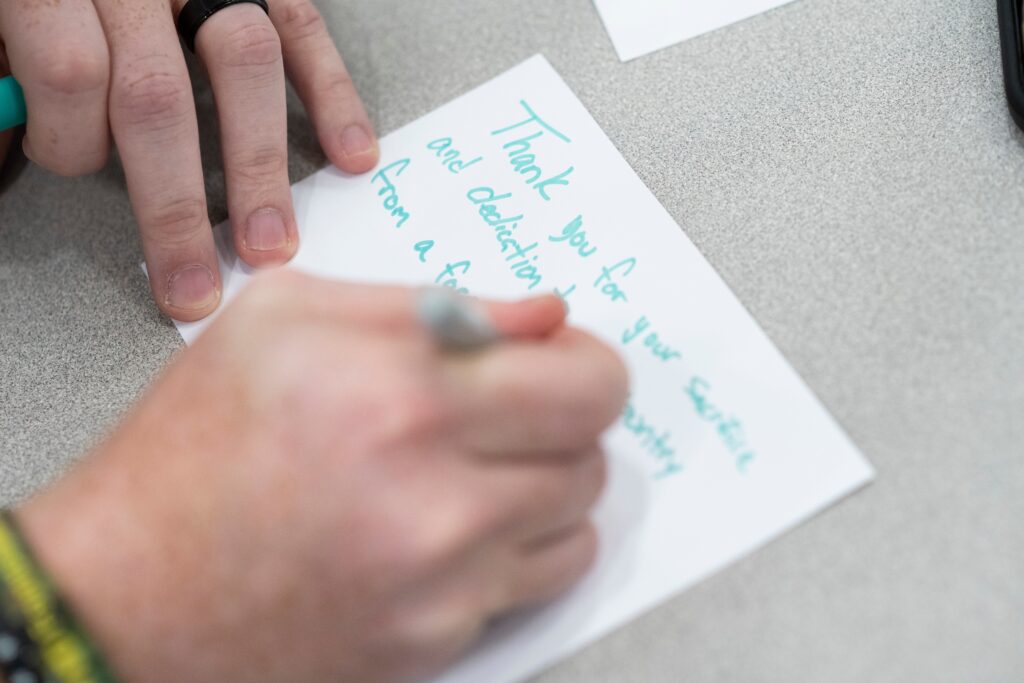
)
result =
(851, 170)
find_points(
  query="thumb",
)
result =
(536, 317)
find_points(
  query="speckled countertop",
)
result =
(851, 170)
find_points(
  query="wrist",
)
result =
(41, 637)
(89, 536)
(56, 548)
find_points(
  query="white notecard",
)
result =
(639, 27)
(513, 190)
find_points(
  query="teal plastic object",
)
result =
(12, 104)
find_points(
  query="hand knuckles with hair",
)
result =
(261, 166)
(72, 69)
(299, 19)
(248, 48)
(174, 222)
(157, 98)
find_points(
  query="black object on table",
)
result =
(1010, 30)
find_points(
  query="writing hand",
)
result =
(90, 68)
(313, 491)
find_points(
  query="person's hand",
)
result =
(92, 67)
(314, 492)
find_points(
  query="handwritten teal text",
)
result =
(390, 192)
(729, 428)
(656, 442)
(450, 157)
(658, 349)
(523, 156)
(575, 237)
(608, 282)
(521, 258)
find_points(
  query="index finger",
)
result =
(556, 394)
(544, 388)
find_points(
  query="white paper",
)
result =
(639, 27)
(723, 446)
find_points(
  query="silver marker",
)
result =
(456, 321)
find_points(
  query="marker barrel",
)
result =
(12, 104)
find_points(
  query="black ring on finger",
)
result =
(195, 13)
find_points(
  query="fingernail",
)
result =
(26, 149)
(356, 142)
(191, 288)
(265, 231)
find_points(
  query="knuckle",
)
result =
(71, 155)
(273, 289)
(580, 554)
(158, 98)
(175, 222)
(262, 166)
(576, 556)
(251, 46)
(419, 543)
(594, 479)
(443, 540)
(430, 637)
(95, 163)
(587, 548)
(416, 410)
(69, 71)
(505, 387)
(605, 393)
(74, 167)
(336, 80)
(547, 493)
(300, 20)
(284, 279)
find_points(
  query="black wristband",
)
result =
(195, 13)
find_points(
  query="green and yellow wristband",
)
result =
(40, 640)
